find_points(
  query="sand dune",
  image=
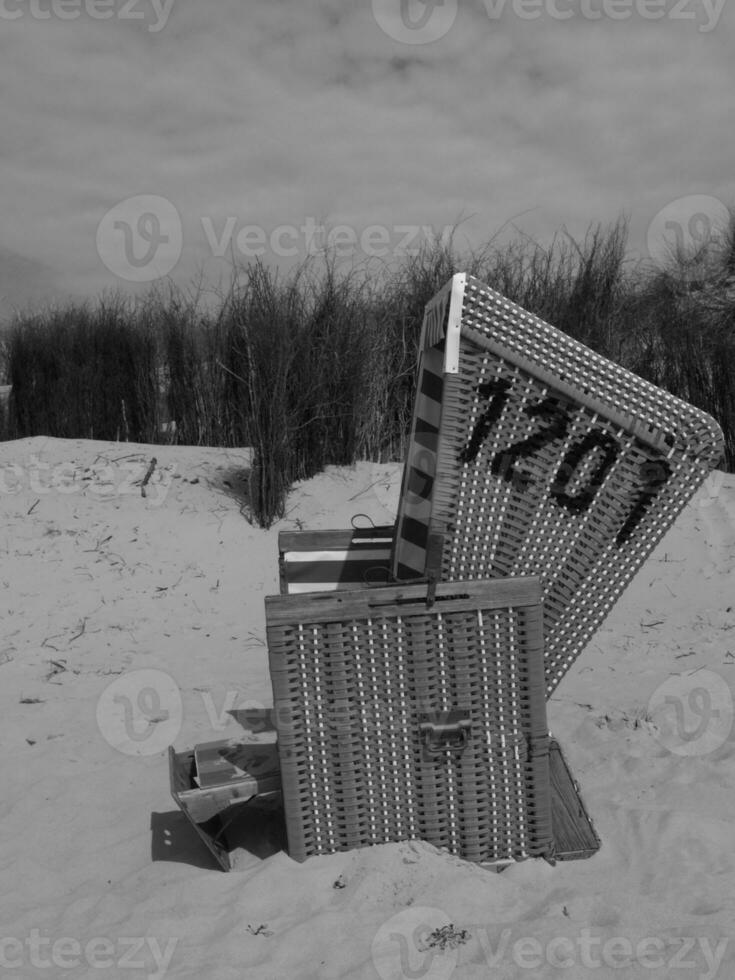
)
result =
(132, 623)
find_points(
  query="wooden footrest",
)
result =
(574, 834)
(233, 774)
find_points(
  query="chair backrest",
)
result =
(532, 455)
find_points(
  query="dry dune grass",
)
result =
(317, 366)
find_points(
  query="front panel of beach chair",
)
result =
(532, 455)
(398, 720)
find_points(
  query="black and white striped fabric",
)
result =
(439, 351)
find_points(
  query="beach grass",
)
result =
(317, 365)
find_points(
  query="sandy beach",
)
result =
(132, 623)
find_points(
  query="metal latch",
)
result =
(450, 734)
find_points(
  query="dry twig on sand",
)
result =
(148, 475)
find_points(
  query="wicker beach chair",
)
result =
(410, 664)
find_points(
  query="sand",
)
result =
(130, 623)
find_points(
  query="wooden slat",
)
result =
(211, 810)
(393, 600)
(354, 573)
(332, 540)
(210, 832)
(250, 767)
(337, 556)
(574, 834)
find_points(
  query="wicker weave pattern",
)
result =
(557, 506)
(355, 675)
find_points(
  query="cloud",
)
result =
(272, 112)
(25, 284)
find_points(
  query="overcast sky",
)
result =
(145, 137)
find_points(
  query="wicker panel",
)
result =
(552, 461)
(362, 679)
